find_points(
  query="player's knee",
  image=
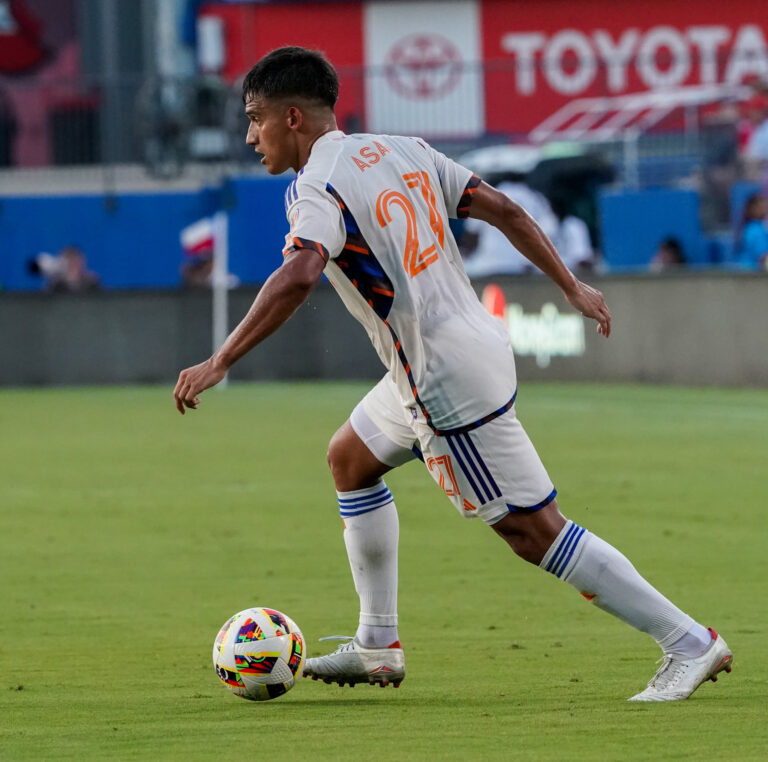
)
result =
(531, 535)
(335, 455)
(524, 545)
(353, 466)
(343, 463)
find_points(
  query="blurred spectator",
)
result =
(8, 129)
(65, 272)
(756, 151)
(197, 271)
(669, 256)
(487, 251)
(752, 113)
(74, 275)
(571, 237)
(752, 243)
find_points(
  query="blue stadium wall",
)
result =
(132, 240)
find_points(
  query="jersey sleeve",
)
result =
(458, 183)
(316, 222)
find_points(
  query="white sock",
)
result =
(605, 577)
(371, 530)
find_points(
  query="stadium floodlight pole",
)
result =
(220, 283)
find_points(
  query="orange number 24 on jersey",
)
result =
(414, 259)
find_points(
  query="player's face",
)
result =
(271, 134)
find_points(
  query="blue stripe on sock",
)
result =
(350, 514)
(561, 547)
(464, 469)
(366, 503)
(353, 500)
(567, 560)
(475, 469)
(557, 569)
(490, 478)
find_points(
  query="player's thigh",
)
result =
(380, 421)
(375, 439)
(490, 471)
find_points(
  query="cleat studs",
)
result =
(713, 678)
(314, 677)
(371, 682)
(395, 685)
(327, 681)
(728, 668)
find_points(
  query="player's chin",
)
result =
(274, 168)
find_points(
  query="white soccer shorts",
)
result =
(489, 471)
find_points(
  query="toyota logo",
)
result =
(423, 66)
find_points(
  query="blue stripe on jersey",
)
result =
(471, 481)
(475, 424)
(487, 473)
(360, 265)
(292, 192)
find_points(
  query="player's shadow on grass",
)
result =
(361, 701)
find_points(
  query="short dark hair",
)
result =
(293, 72)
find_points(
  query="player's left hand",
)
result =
(194, 380)
(590, 303)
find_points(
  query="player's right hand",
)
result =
(590, 303)
(194, 380)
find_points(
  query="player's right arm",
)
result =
(495, 208)
(280, 296)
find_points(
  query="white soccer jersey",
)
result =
(377, 208)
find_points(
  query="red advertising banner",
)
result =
(253, 29)
(510, 66)
(541, 55)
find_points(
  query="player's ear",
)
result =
(294, 117)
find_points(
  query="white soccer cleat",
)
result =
(678, 678)
(352, 663)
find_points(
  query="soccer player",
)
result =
(371, 212)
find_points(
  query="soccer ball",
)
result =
(259, 653)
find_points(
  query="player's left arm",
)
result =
(281, 295)
(492, 206)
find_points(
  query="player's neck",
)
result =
(317, 130)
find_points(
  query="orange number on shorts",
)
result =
(442, 464)
(414, 260)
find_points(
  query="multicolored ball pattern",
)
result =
(259, 653)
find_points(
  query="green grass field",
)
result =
(130, 534)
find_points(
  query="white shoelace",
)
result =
(665, 676)
(348, 645)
